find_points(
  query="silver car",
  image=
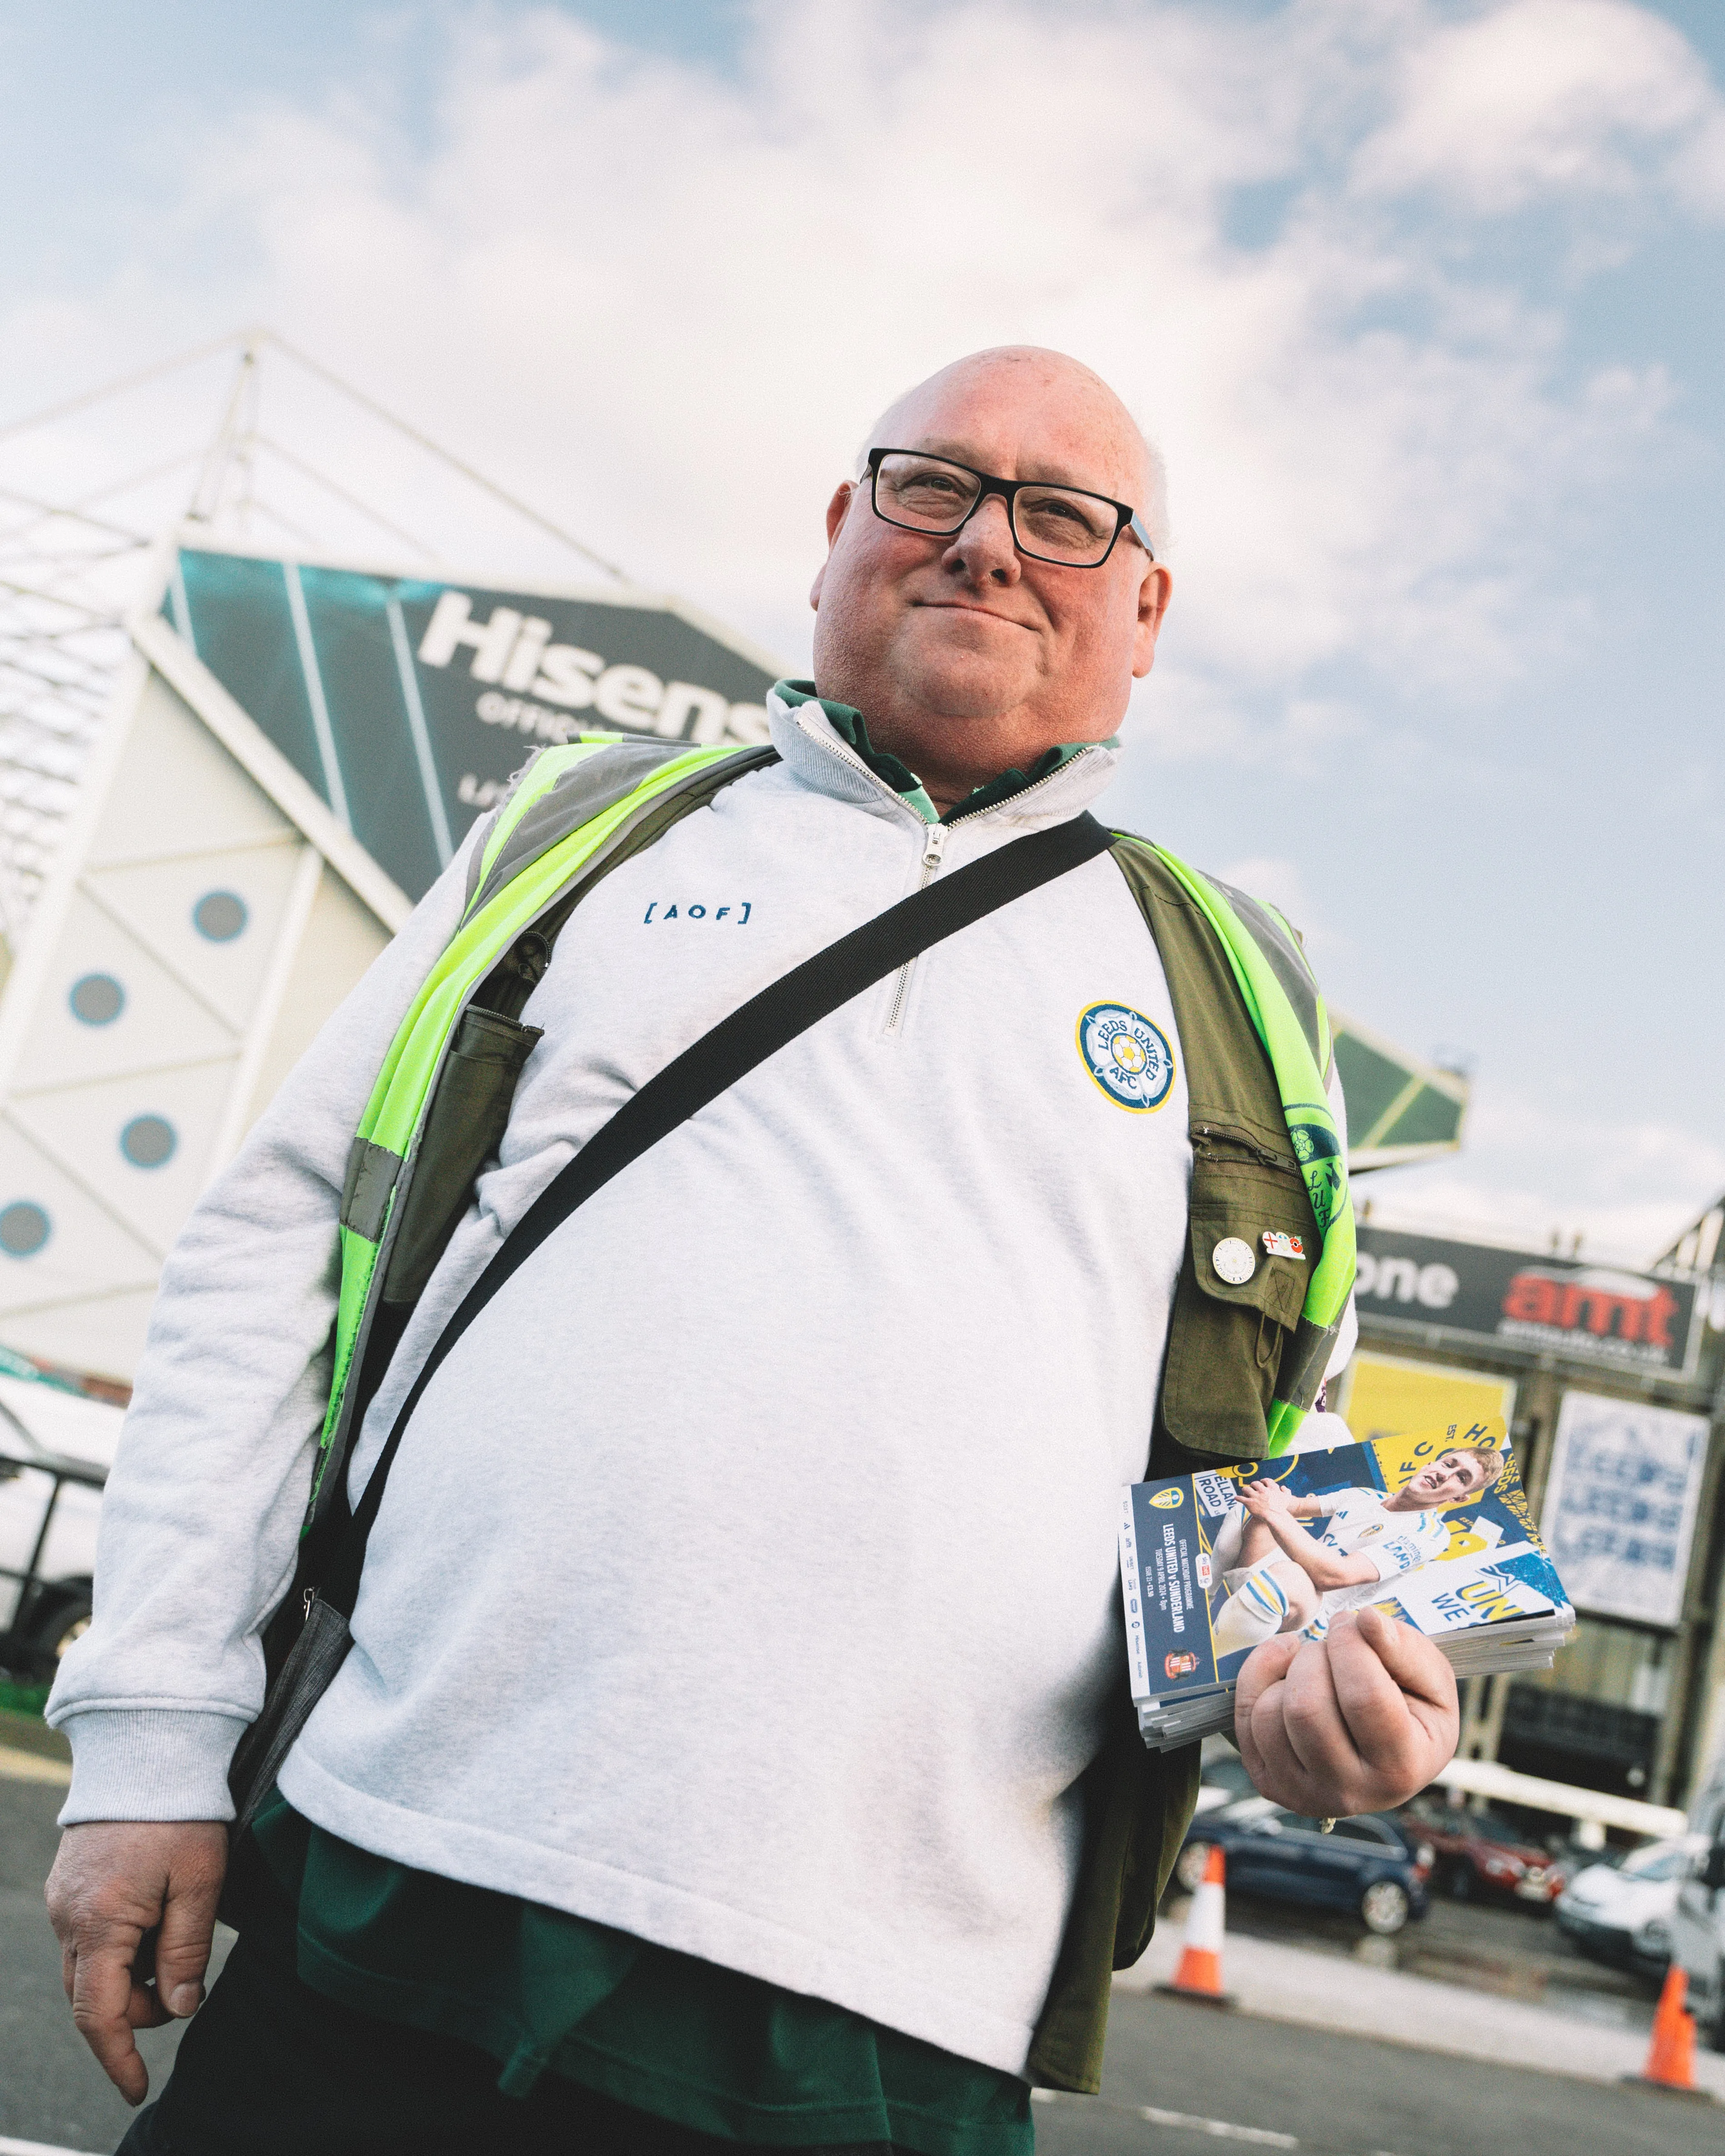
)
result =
(1622, 1912)
(56, 1446)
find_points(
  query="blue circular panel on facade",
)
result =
(23, 1229)
(97, 999)
(148, 1141)
(220, 916)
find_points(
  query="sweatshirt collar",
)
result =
(796, 702)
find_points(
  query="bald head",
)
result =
(966, 657)
(1078, 392)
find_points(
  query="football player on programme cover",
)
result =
(1282, 1579)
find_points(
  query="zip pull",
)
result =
(934, 845)
(305, 1601)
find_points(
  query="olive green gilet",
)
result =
(1225, 1346)
(441, 1103)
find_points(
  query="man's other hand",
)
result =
(1358, 1722)
(113, 1880)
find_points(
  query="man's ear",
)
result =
(837, 509)
(1153, 595)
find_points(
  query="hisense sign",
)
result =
(407, 702)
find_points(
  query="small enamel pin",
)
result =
(1278, 1245)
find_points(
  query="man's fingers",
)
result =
(1413, 1661)
(1310, 1759)
(1369, 1702)
(102, 2007)
(1401, 1712)
(1312, 1716)
(1261, 1721)
(1275, 1767)
(113, 1882)
(182, 1944)
(1357, 1722)
(1264, 1666)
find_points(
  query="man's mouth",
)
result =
(969, 606)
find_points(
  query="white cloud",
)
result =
(661, 303)
(1629, 1188)
(1282, 884)
(1576, 98)
(664, 301)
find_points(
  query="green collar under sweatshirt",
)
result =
(851, 727)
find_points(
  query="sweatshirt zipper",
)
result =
(934, 845)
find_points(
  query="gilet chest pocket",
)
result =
(464, 1127)
(1234, 1308)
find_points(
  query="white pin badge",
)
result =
(1278, 1245)
(1233, 1261)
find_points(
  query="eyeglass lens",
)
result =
(1056, 523)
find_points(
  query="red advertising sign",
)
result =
(1585, 1312)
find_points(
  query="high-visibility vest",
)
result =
(1245, 1004)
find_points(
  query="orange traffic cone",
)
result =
(1199, 1975)
(1670, 2056)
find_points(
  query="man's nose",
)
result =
(983, 549)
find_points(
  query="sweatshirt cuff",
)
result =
(149, 1764)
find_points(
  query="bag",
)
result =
(724, 1054)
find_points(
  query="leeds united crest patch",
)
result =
(1128, 1055)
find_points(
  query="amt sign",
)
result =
(1587, 1313)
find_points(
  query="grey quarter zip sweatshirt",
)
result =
(746, 1579)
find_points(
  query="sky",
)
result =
(1423, 301)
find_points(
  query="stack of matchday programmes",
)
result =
(1432, 1529)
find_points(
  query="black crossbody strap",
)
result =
(728, 1052)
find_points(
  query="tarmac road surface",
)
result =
(51, 2089)
(1235, 2081)
(1244, 2083)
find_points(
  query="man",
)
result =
(1282, 1580)
(721, 1755)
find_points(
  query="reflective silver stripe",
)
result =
(371, 1170)
(1304, 1361)
(585, 790)
(1286, 960)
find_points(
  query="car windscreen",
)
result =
(1369, 1830)
(1663, 1860)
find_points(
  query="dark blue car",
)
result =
(1371, 1866)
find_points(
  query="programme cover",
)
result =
(1438, 1520)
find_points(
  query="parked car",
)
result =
(1371, 1866)
(1698, 1920)
(1622, 1912)
(56, 1446)
(1222, 1778)
(1487, 1853)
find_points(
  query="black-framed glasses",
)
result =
(1063, 524)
